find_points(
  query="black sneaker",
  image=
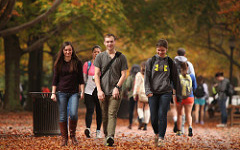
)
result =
(109, 141)
(87, 132)
(190, 132)
(175, 127)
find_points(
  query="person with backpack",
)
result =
(180, 58)
(160, 74)
(110, 73)
(223, 89)
(188, 83)
(201, 95)
(91, 99)
(129, 86)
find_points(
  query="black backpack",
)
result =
(199, 92)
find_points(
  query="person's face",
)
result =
(161, 51)
(109, 42)
(67, 51)
(95, 52)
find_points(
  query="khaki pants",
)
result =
(109, 108)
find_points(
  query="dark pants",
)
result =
(132, 104)
(223, 110)
(159, 105)
(91, 101)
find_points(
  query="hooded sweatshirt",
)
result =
(157, 79)
(184, 59)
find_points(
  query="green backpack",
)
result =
(186, 83)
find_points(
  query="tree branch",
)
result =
(3, 3)
(54, 31)
(16, 29)
(4, 18)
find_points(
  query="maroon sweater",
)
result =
(68, 82)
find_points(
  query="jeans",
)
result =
(159, 105)
(109, 108)
(132, 104)
(65, 99)
(92, 101)
(223, 110)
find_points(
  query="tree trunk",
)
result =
(35, 67)
(12, 72)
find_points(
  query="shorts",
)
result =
(200, 101)
(186, 101)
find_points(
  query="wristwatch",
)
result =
(117, 87)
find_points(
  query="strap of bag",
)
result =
(110, 63)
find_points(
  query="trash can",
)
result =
(45, 115)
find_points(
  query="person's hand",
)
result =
(150, 95)
(54, 97)
(135, 97)
(81, 96)
(115, 93)
(101, 95)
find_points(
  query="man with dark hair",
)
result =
(221, 88)
(182, 58)
(109, 79)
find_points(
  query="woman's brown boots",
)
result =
(72, 130)
(64, 133)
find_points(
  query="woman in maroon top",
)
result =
(69, 84)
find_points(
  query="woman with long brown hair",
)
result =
(67, 88)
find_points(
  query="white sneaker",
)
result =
(221, 125)
(98, 134)
(87, 132)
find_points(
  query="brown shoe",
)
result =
(64, 133)
(72, 129)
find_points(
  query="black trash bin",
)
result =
(45, 115)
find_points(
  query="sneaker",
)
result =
(221, 125)
(175, 127)
(87, 132)
(160, 142)
(109, 141)
(190, 132)
(179, 133)
(145, 127)
(98, 134)
(201, 122)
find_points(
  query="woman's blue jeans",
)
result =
(159, 105)
(65, 99)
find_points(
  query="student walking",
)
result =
(161, 71)
(139, 91)
(223, 88)
(130, 86)
(201, 95)
(188, 83)
(91, 99)
(110, 73)
(67, 88)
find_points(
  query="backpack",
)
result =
(186, 83)
(230, 89)
(199, 92)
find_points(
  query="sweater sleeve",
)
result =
(55, 77)
(147, 77)
(80, 73)
(176, 82)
